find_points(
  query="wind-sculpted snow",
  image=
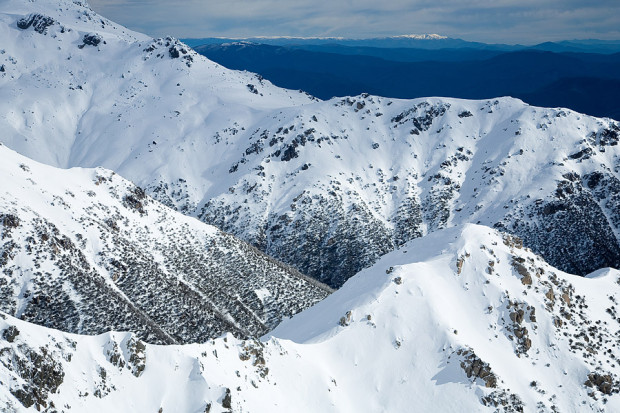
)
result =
(325, 186)
(464, 319)
(85, 251)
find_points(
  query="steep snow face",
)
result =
(85, 251)
(465, 319)
(326, 186)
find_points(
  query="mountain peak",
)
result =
(427, 36)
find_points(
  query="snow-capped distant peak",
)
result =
(427, 36)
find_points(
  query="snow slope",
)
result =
(61, 98)
(465, 319)
(326, 186)
(85, 251)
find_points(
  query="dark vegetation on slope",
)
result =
(167, 283)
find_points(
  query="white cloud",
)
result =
(511, 21)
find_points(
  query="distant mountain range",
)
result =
(581, 75)
(423, 42)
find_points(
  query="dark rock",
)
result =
(227, 400)
(134, 199)
(9, 220)
(39, 23)
(10, 334)
(503, 401)
(289, 153)
(582, 154)
(92, 39)
(605, 383)
(173, 52)
(39, 370)
(474, 367)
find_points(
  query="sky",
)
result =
(499, 21)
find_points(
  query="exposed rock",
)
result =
(38, 22)
(227, 400)
(503, 401)
(475, 368)
(10, 333)
(92, 39)
(40, 371)
(606, 383)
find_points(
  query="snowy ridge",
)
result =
(85, 251)
(329, 186)
(120, 91)
(348, 180)
(465, 319)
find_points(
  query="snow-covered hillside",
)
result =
(465, 319)
(72, 81)
(329, 186)
(347, 181)
(85, 251)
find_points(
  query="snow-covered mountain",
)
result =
(71, 81)
(326, 186)
(462, 319)
(348, 180)
(465, 319)
(85, 251)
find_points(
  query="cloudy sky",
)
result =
(506, 21)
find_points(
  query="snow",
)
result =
(422, 313)
(403, 334)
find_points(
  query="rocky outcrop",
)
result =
(38, 22)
